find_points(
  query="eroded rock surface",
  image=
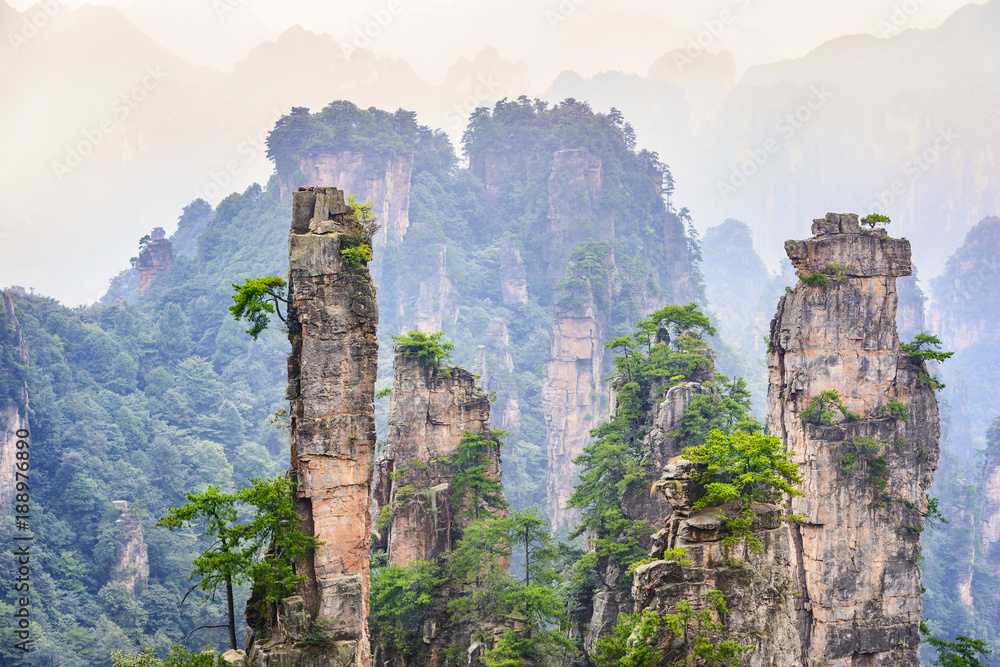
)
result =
(332, 320)
(857, 552)
(757, 587)
(131, 563)
(154, 260)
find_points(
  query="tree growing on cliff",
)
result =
(428, 349)
(873, 219)
(256, 299)
(743, 469)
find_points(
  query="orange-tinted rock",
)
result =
(332, 320)
(154, 260)
(857, 560)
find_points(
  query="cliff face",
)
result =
(989, 522)
(332, 320)
(14, 406)
(573, 394)
(574, 209)
(414, 490)
(758, 591)
(383, 181)
(131, 564)
(864, 471)
(154, 260)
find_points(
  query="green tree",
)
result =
(472, 487)
(227, 561)
(256, 299)
(427, 348)
(962, 652)
(630, 643)
(873, 219)
(923, 346)
(747, 468)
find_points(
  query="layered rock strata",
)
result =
(865, 468)
(421, 518)
(131, 564)
(332, 320)
(154, 260)
(758, 587)
(13, 410)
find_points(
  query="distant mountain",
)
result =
(908, 121)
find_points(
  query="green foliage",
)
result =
(922, 346)
(873, 219)
(630, 643)
(702, 632)
(402, 598)
(961, 652)
(473, 490)
(816, 279)
(357, 255)
(870, 455)
(427, 348)
(178, 657)
(256, 299)
(823, 408)
(748, 468)
(897, 410)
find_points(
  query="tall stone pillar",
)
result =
(332, 320)
(865, 467)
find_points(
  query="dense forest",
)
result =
(146, 398)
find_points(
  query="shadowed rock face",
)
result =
(432, 409)
(758, 592)
(332, 320)
(856, 553)
(131, 565)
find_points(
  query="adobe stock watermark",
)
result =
(899, 17)
(562, 12)
(34, 22)
(121, 108)
(787, 127)
(486, 87)
(248, 150)
(714, 29)
(913, 169)
(364, 35)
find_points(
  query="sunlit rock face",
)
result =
(332, 320)
(154, 260)
(865, 471)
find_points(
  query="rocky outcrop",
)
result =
(758, 588)
(420, 517)
(14, 425)
(513, 280)
(433, 305)
(332, 320)
(131, 563)
(865, 471)
(495, 366)
(154, 260)
(573, 398)
(574, 207)
(989, 517)
(383, 180)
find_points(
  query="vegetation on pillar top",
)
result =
(428, 349)
(923, 345)
(873, 219)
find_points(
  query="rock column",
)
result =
(332, 320)
(865, 468)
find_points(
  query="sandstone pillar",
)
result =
(332, 319)
(865, 471)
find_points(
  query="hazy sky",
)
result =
(555, 35)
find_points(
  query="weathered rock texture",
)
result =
(154, 260)
(332, 320)
(989, 519)
(385, 181)
(758, 592)
(495, 366)
(14, 409)
(573, 397)
(857, 551)
(431, 411)
(131, 564)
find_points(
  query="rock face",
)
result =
(864, 471)
(573, 400)
(989, 515)
(758, 591)
(495, 366)
(154, 260)
(14, 407)
(432, 409)
(385, 181)
(332, 320)
(131, 564)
